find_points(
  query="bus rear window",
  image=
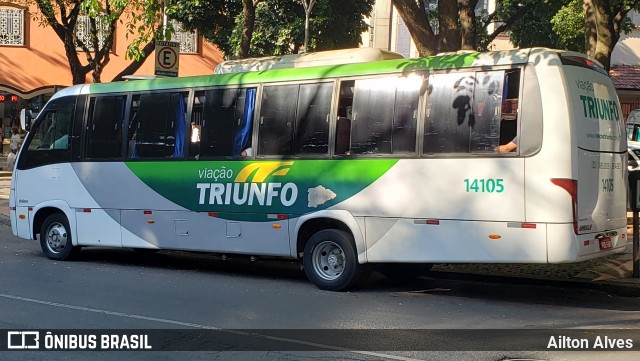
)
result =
(583, 63)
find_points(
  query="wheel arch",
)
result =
(308, 225)
(44, 210)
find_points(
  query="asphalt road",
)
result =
(121, 289)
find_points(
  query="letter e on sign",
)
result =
(167, 55)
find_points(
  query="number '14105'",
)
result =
(484, 185)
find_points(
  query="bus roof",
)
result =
(438, 62)
(305, 60)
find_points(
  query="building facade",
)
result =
(625, 67)
(34, 64)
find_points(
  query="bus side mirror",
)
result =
(25, 119)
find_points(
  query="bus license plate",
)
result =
(605, 243)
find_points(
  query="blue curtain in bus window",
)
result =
(487, 102)
(180, 130)
(242, 137)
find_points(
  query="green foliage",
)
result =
(143, 26)
(279, 27)
(214, 19)
(533, 29)
(568, 26)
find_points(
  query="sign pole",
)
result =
(634, 203)
(636, 245)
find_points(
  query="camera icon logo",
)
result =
(23, 340)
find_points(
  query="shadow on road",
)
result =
(434, 284)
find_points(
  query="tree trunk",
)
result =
(136, 64)
(417, 21)
(78, 71)
(308, 8)
(306, 31)
(467, 24)
(449, 34)
(600, 37)
(249, 12)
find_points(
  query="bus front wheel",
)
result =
(55, 238)
(330, 260)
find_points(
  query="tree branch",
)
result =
(136, 64)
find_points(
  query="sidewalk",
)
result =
(611, 274)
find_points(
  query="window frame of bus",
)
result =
(31, 158)
(291, 145)
(88, 121)
(185, 94)
(397, 77)
(472, 72)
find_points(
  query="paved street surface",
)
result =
(118, 289)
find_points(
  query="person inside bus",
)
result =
(195, 133)
(61, 143)
(509, 147)
(247, 152)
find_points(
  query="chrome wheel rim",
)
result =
(328, 260)
(56, 237)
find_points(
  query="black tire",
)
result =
(398, 271)
(55, 238)
(331, 262)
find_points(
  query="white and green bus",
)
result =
(390, 162)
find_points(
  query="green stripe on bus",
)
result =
(291, 187)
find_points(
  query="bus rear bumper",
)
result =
(583, 247)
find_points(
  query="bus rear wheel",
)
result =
(330, 260)
(55, 238)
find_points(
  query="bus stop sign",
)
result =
(167, 55)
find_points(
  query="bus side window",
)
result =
(509, 108)
(55, 123)
(54, 126)
(104, 127)
(311, 135)
(161, 130)
(133, 128)
(345, 112)
(277, 119)
(343, 135)
(196, 125)
(509, 122)
(448, 116)
(227, 122)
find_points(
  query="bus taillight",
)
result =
(571, 186)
